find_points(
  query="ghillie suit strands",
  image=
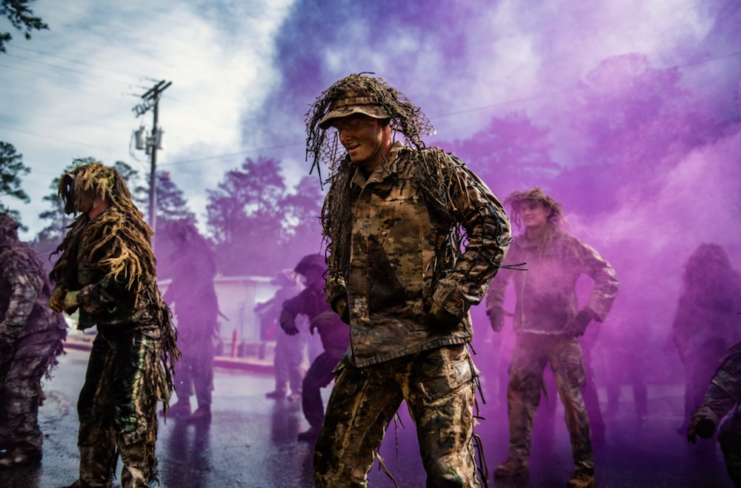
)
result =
(107, 264)
(556, 220)
(435, 169)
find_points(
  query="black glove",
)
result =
(578, 325)
(702, 426)
(438, 317)
(342, 308)
(288, 323)
(497, 320)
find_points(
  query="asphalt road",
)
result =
(251, 443)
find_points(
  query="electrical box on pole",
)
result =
(151, 143)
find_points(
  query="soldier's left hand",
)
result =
(578, 325)
(438, 317)
(70, 302)
(288, 324)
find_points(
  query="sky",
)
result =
(243, 72)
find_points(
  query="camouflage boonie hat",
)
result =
(8, 223)
(355, 102)
(309, 261)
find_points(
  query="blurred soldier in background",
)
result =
(707, 323)
(312, 302)
(31, 336)
(723, 394)
(548, 325)
(196, 307)
(289, 350)
(107, 271)
(396, 218)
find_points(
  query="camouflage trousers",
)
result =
(195, 368)
(529, 358)
(438, 386)
(23, 362)
(117, 409)
(729, 437)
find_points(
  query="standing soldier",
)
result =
(107, 271)
(723, 394)
(548, 325)
(312, 302)
(395, 219)
(196, 307)
(31, 336)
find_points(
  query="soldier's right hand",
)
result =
(288, 323)
(342, 308)
(56, 302)
(700, 426)
(497, 321)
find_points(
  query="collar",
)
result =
(378, 174)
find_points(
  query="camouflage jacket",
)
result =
(724, 391)
(546, 292)
(397, 237)
(193, 293)
(25, 292)
(312, 302)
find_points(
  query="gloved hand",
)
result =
(578, 325)
(56, 302)
(702, 426)
(288, 323)
(438, 317)
(70, 302)
(497, 320)
(342, 308)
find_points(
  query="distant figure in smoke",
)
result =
(196, 307)
(107, 271)
(394, 219)
(31, 335)
(312, 302)
(289, 350)
(548, 325)
(706, 324)
(723, 394)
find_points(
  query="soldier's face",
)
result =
(361, 136)
(533, 214)
(86, 202)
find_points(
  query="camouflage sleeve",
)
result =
(488, 233)
(25, 288)
(296, 305)
(105, 295)
(605, 280)
(724, 391)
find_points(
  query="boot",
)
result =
(309, 435)
(276, 395)
(203, 414)
(511, 467)
(583, 478)
(17, 457)
(179, 410)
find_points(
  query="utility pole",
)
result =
(151, 101)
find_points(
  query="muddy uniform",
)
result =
(395, 273)
(723, 394)
(125, 377)
(335, 336)
(546, 303)
(31, 338)
(196, 306)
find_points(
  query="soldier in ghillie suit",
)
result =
(31, 336)
(548, 325)
(196, 307)
(394, 220)
(723, 394)
(107, 271)
(312, 302)
(289, 350)
(706, 324)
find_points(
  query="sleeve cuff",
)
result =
(449, 297)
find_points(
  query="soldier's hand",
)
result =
(342, 308)
(56, 302)
(288, 323)
(578, 325)
(438, 317)
(70, 302)
(497, 321)
(700, 426)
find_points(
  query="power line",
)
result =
(71, 69)
(54, 138)
(55, 77)
(232, 154)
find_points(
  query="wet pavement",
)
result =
(251, 443)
